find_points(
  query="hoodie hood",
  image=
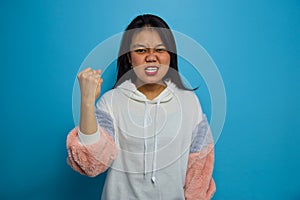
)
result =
(129, 89)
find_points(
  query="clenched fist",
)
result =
(90, 84)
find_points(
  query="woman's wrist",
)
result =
(88, 102)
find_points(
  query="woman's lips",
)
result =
(151, 70)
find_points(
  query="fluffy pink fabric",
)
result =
(93, 159)
(199, 184)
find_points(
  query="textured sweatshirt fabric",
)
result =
(154, 149)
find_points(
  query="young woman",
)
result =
(149, 131)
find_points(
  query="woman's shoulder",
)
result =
(188, 98)
(106, 98)
(186, 94)
(109, 94)
(189, 94)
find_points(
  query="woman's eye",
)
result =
(140, 50)
(161, 50)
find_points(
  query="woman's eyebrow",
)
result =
(160, 45)
(145, 46)
(138, 45)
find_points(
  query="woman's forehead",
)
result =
(146, 37)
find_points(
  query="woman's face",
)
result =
(149, 57)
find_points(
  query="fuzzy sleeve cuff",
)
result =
(91, 159)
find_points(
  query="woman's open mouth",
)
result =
(151, 70)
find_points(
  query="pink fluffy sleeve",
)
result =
(90, 160)
(199, 184)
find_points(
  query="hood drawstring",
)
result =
(153, 178)
(155, 144)
(145, 135)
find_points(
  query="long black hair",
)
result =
(136, 25)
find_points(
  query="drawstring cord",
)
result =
(155, 144)
(145, 140)
(153, 178)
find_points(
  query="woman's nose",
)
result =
(151, 57)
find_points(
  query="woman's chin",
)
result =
(151, 80)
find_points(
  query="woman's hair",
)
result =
(162, 28)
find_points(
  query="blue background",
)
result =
(255, 45)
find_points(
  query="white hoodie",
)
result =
(154, 139)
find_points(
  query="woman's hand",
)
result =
(90, 84)
(90, 87)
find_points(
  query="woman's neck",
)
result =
(151, 90)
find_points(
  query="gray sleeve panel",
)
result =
(201, 136)
(105, 121)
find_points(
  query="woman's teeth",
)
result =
(151, 69)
